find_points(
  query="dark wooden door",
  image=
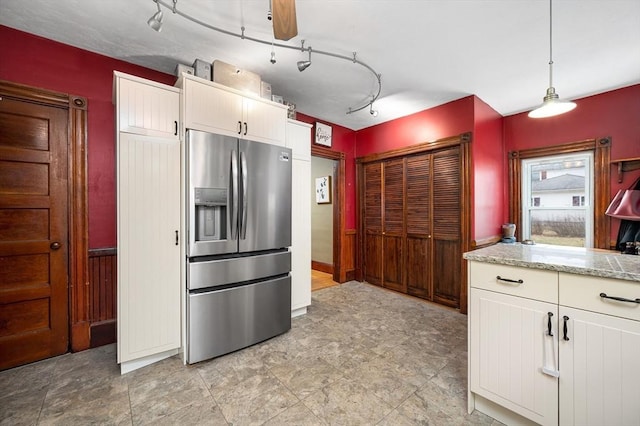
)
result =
(373, 223)
(393, 225)
(446, 233)
(418, 223)
(33, 232)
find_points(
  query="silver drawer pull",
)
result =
(619, 299)
(507, 280)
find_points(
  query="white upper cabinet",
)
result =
(145, 107)
(299, 140)
(214, 108)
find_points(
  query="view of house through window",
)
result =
(557, 199)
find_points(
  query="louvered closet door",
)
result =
(418, 224)
(373, 223)
(393, 225)
(446, 227)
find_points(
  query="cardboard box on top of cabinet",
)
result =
(234, 77)
(202, 69)
(180, 68)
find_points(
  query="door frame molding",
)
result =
(339, 271)
(78, 237)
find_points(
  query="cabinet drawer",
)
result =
(583, 292)
(536, 284)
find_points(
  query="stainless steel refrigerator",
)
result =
(238, 229)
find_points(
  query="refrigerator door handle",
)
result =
(243, 170)
(234, 194)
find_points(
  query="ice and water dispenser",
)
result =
(211, 214)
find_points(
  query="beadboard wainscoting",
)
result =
(102, 295)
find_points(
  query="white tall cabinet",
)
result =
(299, 140)
(148, 221)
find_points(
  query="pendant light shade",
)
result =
(551, 103)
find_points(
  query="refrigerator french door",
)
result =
(239, 229)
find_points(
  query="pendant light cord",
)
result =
(550, 43)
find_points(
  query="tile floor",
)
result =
(361, 356)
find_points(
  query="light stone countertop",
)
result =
(574, 260)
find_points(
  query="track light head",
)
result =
(303, 65)
(155, 22)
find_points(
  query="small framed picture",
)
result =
(323, 190)
(323, 134)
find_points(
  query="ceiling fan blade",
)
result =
(285, 26)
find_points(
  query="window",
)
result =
(537, 194)
(557, 216)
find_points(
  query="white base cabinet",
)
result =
(594, 350)
(299, 140)
(148, 223)
(600, 356)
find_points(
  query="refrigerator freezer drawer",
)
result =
(212, 273)
(224, 321)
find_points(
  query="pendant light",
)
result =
(551, 103)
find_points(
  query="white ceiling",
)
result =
(428, 52)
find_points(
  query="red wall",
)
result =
(43, 63)
(39, 62)
(615, 113)
(489, 173)
(342, 140)
(440, 122)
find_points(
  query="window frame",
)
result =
(600, 148)
(587, 208)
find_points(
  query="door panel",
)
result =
(209, 160)
(33, 232)
(373, 256)
(373, 223)
(148, 194)
(600, 375)
(266, 223)
(393, 262)
(446, 272)
(418, 267)
(418, 219)
(393, 228)
(447, 262)
(508, 349)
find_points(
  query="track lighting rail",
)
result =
(243, 36)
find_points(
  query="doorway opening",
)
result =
(334, 264)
